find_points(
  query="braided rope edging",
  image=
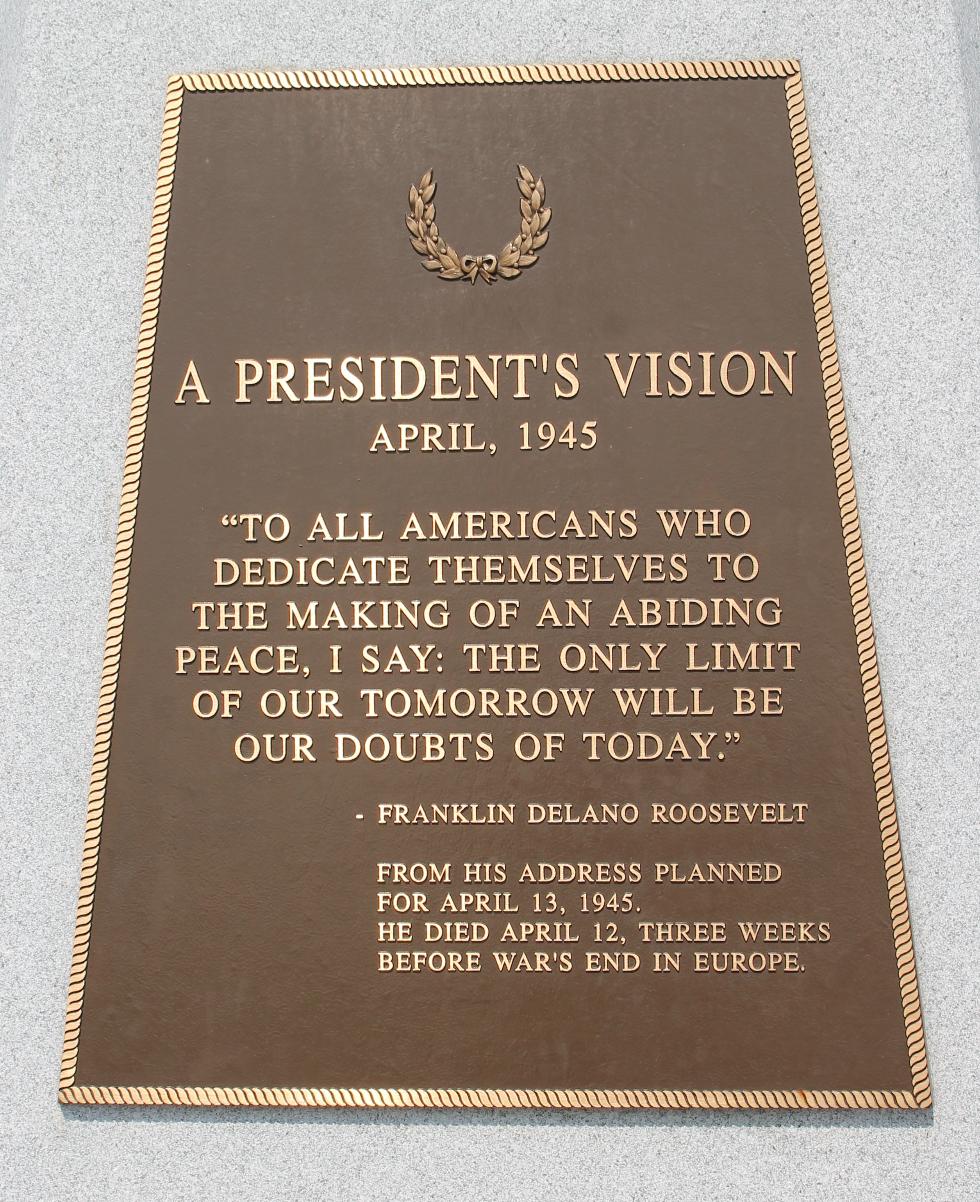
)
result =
(569, 1099)
(391, 77)
(860, 602)
(120, 575)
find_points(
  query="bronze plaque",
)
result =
(490, 712)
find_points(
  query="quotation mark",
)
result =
(731, 736)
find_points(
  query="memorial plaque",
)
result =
(490, 712)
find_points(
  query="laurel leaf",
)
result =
(438, 256)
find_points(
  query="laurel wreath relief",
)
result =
(438, 255)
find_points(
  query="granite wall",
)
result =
(894, 101)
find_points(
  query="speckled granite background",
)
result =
(894, 103)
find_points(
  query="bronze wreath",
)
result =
(439, 256)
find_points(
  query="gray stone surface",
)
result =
(892, 133)
(11, 25)
(968, 22)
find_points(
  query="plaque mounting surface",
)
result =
(225, 949)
